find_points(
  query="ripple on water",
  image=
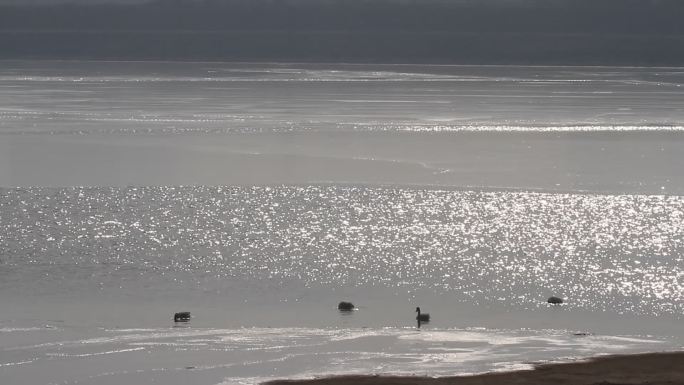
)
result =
(607, 252)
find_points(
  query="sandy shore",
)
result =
(652, 369)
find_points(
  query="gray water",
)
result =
(144, 97)
(259, 196)
(617, 253)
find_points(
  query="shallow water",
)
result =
(253, 355)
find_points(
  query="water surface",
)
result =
(257, 196)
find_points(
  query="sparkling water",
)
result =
(259, 196)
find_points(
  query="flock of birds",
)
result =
(345, 306)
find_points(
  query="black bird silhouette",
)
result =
(422, 317)
(183, 316)
(345, 306)
(555, 300)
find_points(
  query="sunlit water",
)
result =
(605, 252)
(270, 263)
(90, 276)
(120, 97)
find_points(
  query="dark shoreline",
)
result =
(649, 368)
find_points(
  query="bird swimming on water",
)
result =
(183, 316)
(422, 317)
(345, 306)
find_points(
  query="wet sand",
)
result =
(652, 369)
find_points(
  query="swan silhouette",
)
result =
(422, 317)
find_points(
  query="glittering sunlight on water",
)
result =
(620, 253)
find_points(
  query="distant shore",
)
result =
(651, 368)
